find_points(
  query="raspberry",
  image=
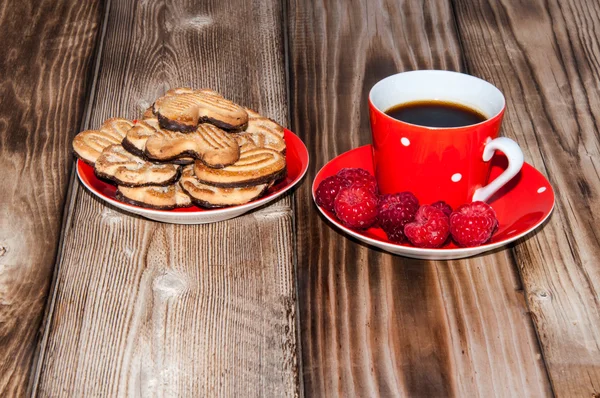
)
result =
(394, 212)
(356, 206)
(430, 228)
(328, 190)
(359, 176)
(443, 206)
(473, 224)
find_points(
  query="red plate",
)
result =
(297, 164)
(521, 206)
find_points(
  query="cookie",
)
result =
(186, 90)
(152, 121)
(255, 166)
(148, 113)
(209, 144)
(209, 196)
(89, 144)
(124, 168)
(135, 139)
(161, 198)
(245, 142)
(117, 125)
(183, 109)
(264, 132)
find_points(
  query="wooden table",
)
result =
(96, 302)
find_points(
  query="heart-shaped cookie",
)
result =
(209, 196)
(255, 166)
(122, 167)
(89, 144)
(160, 198)
(209, 144)
(183, 109)
(264, 132)
(136, 138)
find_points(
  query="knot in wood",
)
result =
(170, 284)
(542, 294)
(196, 22)
(110, 217)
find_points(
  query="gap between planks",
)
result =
(287, 70)
(68, 209)
(511, 248)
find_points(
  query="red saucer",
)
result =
(521, 206)
(297, 164)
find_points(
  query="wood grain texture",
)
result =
(545, 56)
(47, 48)
(373, 324)
(141, 308)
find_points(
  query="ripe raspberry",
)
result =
(430, 228)
(473, 224)
(394, 212)
(443, 206)
(356, 206)
(328, 190)
(359, 176)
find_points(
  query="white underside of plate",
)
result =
(200, 217)
(430, 254)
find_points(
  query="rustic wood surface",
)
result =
(47, 47)
(373, 324)
(140, 308)
(148, 309)
(546, 61)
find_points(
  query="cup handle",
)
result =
(515, 161)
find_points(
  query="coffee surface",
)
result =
(436, 114)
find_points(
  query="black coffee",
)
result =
(436, 114)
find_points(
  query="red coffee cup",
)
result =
(438, 163)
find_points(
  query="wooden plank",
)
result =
(544, 56)
(143, 308)
(47, 47)
(374, 324)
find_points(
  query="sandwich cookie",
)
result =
(153, 122)
(136, 138)
(264, 132)
(89, 144)
(209, 196)
(161, 198)
(255, 166)
(117, 125)
(183, 109)
(115, 163)
(148, 113)
(186, 90)
(245, 142)
(209, 144)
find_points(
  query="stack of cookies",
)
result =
(191, 147)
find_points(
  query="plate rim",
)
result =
(441, 252)
(301, 147)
